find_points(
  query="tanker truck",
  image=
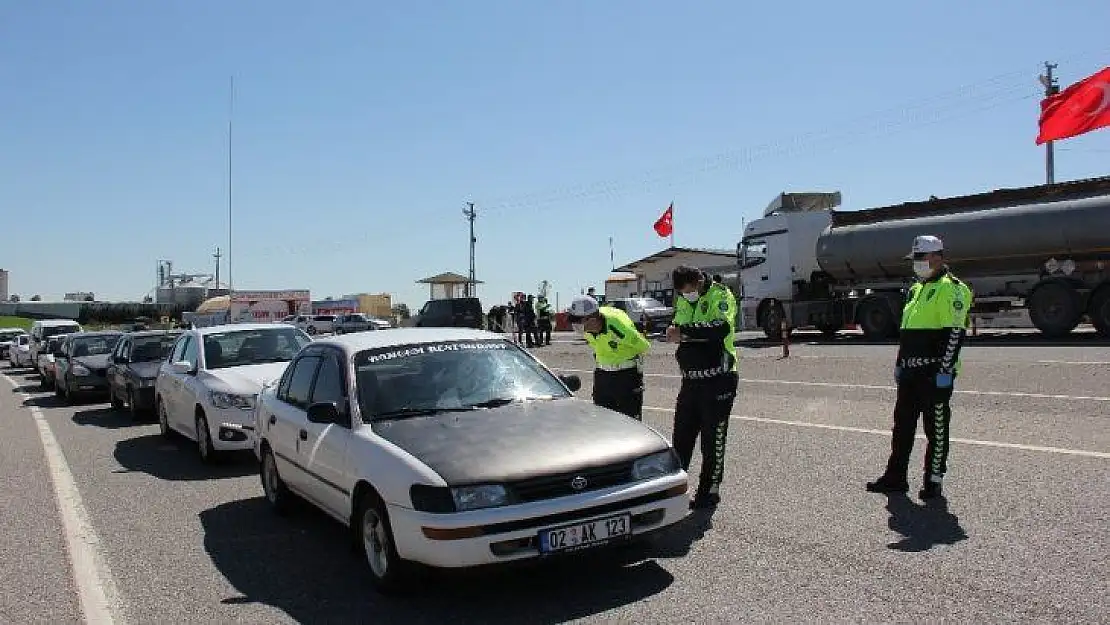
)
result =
(1045, 249)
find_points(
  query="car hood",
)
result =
(146, 370)
(520, 441)
(99, 361)
(247, 379)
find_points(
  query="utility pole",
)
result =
(470, 215)
(217, 257)
(1050, 89)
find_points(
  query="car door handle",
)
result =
(273, 419)
(304, 435)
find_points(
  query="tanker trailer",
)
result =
(1043, 248)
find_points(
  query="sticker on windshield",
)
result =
(433, 348)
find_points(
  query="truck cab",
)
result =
(778, 264)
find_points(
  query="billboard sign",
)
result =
(263, 306)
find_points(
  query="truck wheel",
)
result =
(772, 323)
(1054, 309)
(876, 320)
(1100, 312)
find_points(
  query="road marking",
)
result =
(100, 599)
(965, 441)
(875, 387)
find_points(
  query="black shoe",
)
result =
(930, 490)
(887, 485)
(705, 501)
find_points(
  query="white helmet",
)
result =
(583, 306)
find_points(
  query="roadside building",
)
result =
(651, 276)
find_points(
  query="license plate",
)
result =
(585, 533)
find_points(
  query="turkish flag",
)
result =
(1081, 108)
(663, 226)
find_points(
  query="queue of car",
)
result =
(436, 447)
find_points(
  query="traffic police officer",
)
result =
(619, 349)
(704, 327)
(543, 322)
(934, 324)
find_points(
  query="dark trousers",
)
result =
(526, 332)
(703, 409)
(919, 396)
(543, 332)
(622, 391)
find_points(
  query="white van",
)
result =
(46, 328)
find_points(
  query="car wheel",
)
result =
(204, 441)
(117, 404)
(277, 493)
(163, 419)
(388, 572)
(131, 406)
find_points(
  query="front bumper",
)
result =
(511, 534)
(89, 384)
(232, 429)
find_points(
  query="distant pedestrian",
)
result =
(934, 325)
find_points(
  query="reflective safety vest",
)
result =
(619, 342)
(708, 329)
(934, 322)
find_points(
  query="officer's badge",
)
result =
(613, 344)
(723, 307)
(958, 305)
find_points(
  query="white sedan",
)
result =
(206, 389)
(19, 352)
(456, 448)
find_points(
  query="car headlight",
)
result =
(478, 497)
(655, 465)
(231, 400)
(80, 370)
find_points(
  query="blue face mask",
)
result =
(692, 297)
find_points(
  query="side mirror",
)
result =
(324, 412)
(183, 367)
(573, 382)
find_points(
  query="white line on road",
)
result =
(100, 599)
(966, 441)
(875, 387)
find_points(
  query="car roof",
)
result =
(56, 322)
(359, 341)
(95, 333)
(232, 327)
(153, 332)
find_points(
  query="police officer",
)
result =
(543, 322)
(934, 324)
(619, 350)
(704, 327)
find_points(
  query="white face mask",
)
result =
(692, 297)
(922, 268)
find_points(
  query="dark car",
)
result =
(133, 367)
(81, 363)
(454, 312)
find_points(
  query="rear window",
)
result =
(52, 330)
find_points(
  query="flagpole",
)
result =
(672, 223)
(612, 260)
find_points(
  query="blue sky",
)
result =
(362, 128)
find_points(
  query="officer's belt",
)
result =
(621, 366)
(912, 362)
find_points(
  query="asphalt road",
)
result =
(1022, 535)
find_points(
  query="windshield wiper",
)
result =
(503, 401)
(401, 413)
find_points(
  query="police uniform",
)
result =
(706, 356)
(618, 375)
(934, 324)
(543, 322)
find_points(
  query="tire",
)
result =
(876, 320)
(136, 415)
(1054, 309)
(117, 403)
(277, 493)
(208, 454)
(163, 419)
(772, 323)
(1100, 312)
(389, 574)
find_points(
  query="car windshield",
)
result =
(415, 379)
(94, 345)
(52, 330)
(237, 348)
(54, 344)
(153, 348)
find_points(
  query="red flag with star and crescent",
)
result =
(664, 225)
(1079, 109)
